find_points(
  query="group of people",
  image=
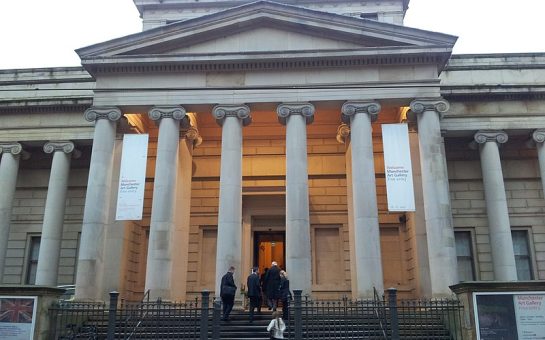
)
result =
(272, 286)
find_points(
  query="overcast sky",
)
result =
(45, 33)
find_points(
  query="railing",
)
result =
(308, 319)
(380, 313)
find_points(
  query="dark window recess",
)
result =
(523, 260)
(32, 263)
(464, 255)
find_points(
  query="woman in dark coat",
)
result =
(284, 294)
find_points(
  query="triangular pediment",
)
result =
(260, 30)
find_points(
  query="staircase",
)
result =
(238, 327)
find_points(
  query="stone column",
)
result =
(298, 254)
(162, 229)
(97, 201)
(436, 194)
(189, 141)
(228, 253)
(367, 257)
(503, 255)
(538, 136)
(9, 168)
(50, 244)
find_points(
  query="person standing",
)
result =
(254, 292)
(227, 293)
(264, 284)
(284, 294)
(272, 281)
(276, 327)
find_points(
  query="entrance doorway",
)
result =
(268, 247)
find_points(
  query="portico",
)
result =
(264, 126)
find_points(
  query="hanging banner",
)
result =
(397, 167)
(132, 177)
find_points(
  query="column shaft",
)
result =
(97, 202)
(9, 167)
(161, 241)
(230, 201)
(539, 139)
(501, 242)
(366, 226)
(50, 244)
(228, 252)
(437, 211)
(298, 255)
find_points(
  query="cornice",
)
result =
(251, 61)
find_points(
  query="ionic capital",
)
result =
(343, 131)
(95, 113)
(437, 105)
(496, 136)
(242, 112)
(192, 134)
(160, 112)
(352, 108)
(303, 109)
(12, 148)
(538, 136)
(62, 146)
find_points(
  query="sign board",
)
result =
(17, 317)
(132, 177)
(513, 315)
(398, 167)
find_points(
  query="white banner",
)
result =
(132, 177)
(397, 167)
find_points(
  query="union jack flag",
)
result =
(16, 310)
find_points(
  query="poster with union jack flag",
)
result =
(17, 317)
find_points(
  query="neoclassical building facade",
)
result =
(264, 122)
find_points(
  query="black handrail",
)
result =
(380, 312)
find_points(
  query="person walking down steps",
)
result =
(277, 326)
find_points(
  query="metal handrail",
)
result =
(142, 314)
(381, 318)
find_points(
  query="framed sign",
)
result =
(510, 315)
(17, 317)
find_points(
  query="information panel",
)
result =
(17, 317)
(397, 167)
(513, 315)
(132, 177)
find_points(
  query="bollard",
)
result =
(204, 314)
(297, 314)
(112, 315)
(392, 304)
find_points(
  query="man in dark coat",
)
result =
(254, 292)
(272, 281)
(227, 293)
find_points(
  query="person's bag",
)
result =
(229, 290)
